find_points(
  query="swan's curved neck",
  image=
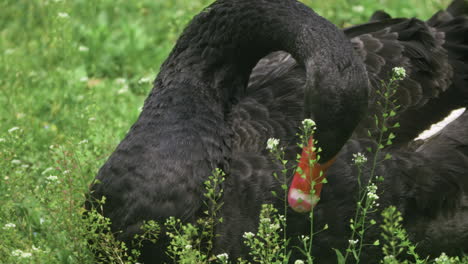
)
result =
(214, 57)
(219, 48)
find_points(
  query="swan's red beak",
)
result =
(301, 198)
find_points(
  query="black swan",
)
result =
(209, 110)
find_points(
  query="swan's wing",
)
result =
(407, 43)
(434, 53)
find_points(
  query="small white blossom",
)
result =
(123, 90)
(305, 238)
(120, 81)
(17, 252)
(358, 8)
(188, 246)
(41, 220)
(144, 80)
(223, 256)
(52, 178)
(275, 226)
(26, 255)
(92, 119)
(84, 79)
(248, 235)
(13, 129)
(15, 161)
(35, 248)
(443, 258)
(272, 143)
(359, 158)
(299, 261)
(21, 254)
(353, 242)
(47, 170)
(399, 73)
(83, 49)
(9, 226)
(308, 123)
(63, 15)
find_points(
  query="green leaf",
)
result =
(339, 257)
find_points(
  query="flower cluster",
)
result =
(308, 123)
(272, 143)
(399, 73)
(248, 235)
(372, 194)
(359, 158)
(223, 257)
(21, 254)
(9, 226)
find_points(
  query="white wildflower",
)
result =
(274, 226)
(26, 255)
(13, 129)
(47, 170)
(359, 158)
(353, 242)
(83, 49)
(84, 79)
(248, 235)
(92, 119)
(358, 8)
(6, 178)
(308, 123)
(123, 90)
(21, 254)
(9, 226)
(63, 15)
(120, 81)
(41, 220)
(17, 252)
(399, 73)
(188, 246)
(299, 261)
(223, 256)
(144, 80)
(35, 248)
(15, 161)
(305, 238)
(443, 258)
(52, 178)
(272, 143)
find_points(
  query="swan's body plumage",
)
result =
(210, 108)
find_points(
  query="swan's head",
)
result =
(336, 97)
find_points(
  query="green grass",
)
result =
(73, 76)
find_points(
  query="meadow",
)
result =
(73, 79)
